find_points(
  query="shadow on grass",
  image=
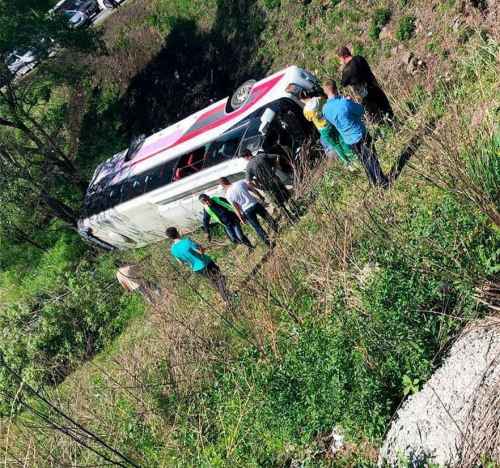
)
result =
(194, 68)
(100, 137)
(410, 150)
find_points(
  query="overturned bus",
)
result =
(134, 196)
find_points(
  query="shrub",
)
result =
(406, 28)
(70, 312)
(272, 4)
(380, 18)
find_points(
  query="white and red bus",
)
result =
(134, 196)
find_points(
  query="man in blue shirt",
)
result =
(188, 252)
(346, 115)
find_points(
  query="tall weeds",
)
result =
(465, 147)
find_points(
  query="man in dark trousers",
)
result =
(249, 205)
(220, 211)
(358, 74)
(261, 172)
(346, 115)
(192, 254)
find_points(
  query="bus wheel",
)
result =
(240, 96)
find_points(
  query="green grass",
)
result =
(406, 28)
(380, 18)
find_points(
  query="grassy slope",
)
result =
(374, 278)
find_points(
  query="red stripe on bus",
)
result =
(257, 94)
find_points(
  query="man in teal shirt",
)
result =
(188, 252)
(346, 116)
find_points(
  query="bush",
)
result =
(272, 4)
(67, 312)
(406, 28)
(380, 18)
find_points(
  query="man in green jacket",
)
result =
(219, 210)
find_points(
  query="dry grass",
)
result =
(131, 44)
(462, 149)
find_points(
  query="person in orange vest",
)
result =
(219, 210)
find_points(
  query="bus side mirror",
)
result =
(265, 120)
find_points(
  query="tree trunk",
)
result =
(48, 148)
(60, 209)
(23, 237)
(7, 123)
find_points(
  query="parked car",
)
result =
(21, 61)
(18, 62)
(107, 4)
(78, 13)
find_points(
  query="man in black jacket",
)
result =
(358, 74)
(261, 173)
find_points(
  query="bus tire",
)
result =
(240, 97)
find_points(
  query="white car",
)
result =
(20, 62)
(106, 4)
(78, 13)
(76, 19)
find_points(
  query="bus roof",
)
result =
(188, 134)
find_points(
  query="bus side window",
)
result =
(159, 176)
(211, 157)
(189, 164)
(125, 192)
(98, 202)
(137, 186)
(221, 151)
(114, 196)
(151, 182)
(132, 188)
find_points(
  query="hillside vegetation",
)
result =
(350, 313)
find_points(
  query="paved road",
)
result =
(105, 14)
(102, 16)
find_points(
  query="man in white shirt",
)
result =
(248, 203)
